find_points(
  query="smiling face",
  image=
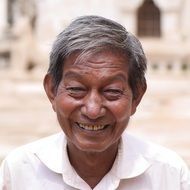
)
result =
(94, 101)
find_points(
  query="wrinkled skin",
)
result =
(93, 93)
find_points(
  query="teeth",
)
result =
(91, 127)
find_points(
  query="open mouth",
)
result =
(92, 127)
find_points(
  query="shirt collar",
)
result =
(130, 161)
(54, 156)
(50, 152)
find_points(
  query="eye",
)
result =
(113, 94)
(76, 91)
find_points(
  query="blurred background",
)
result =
(27, 30)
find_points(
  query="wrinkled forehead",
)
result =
(104, 64)
(98, 67)
(112, 54)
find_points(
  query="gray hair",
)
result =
(91, 34)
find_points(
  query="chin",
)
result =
(93, 147)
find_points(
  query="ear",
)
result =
(49, 89)
(136, 101)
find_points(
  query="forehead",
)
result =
(100, 61)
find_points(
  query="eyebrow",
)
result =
(72, 74)
(119, 76)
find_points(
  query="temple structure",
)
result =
(28, 27)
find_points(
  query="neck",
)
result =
(92, 166)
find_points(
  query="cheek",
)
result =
(121, 110)
(65, 105)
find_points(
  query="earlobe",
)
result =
(49, 89)
(137, 100)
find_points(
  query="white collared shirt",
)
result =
(44, 165)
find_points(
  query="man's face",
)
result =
(94, 101)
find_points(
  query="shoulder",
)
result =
(154, 153)
(28, 151)
(164, 165)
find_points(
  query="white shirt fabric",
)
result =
(139, 165)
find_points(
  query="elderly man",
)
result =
(95, 81)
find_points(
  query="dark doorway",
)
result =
(149, 20)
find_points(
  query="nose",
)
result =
(93, 106)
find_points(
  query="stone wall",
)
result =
(36, 23)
